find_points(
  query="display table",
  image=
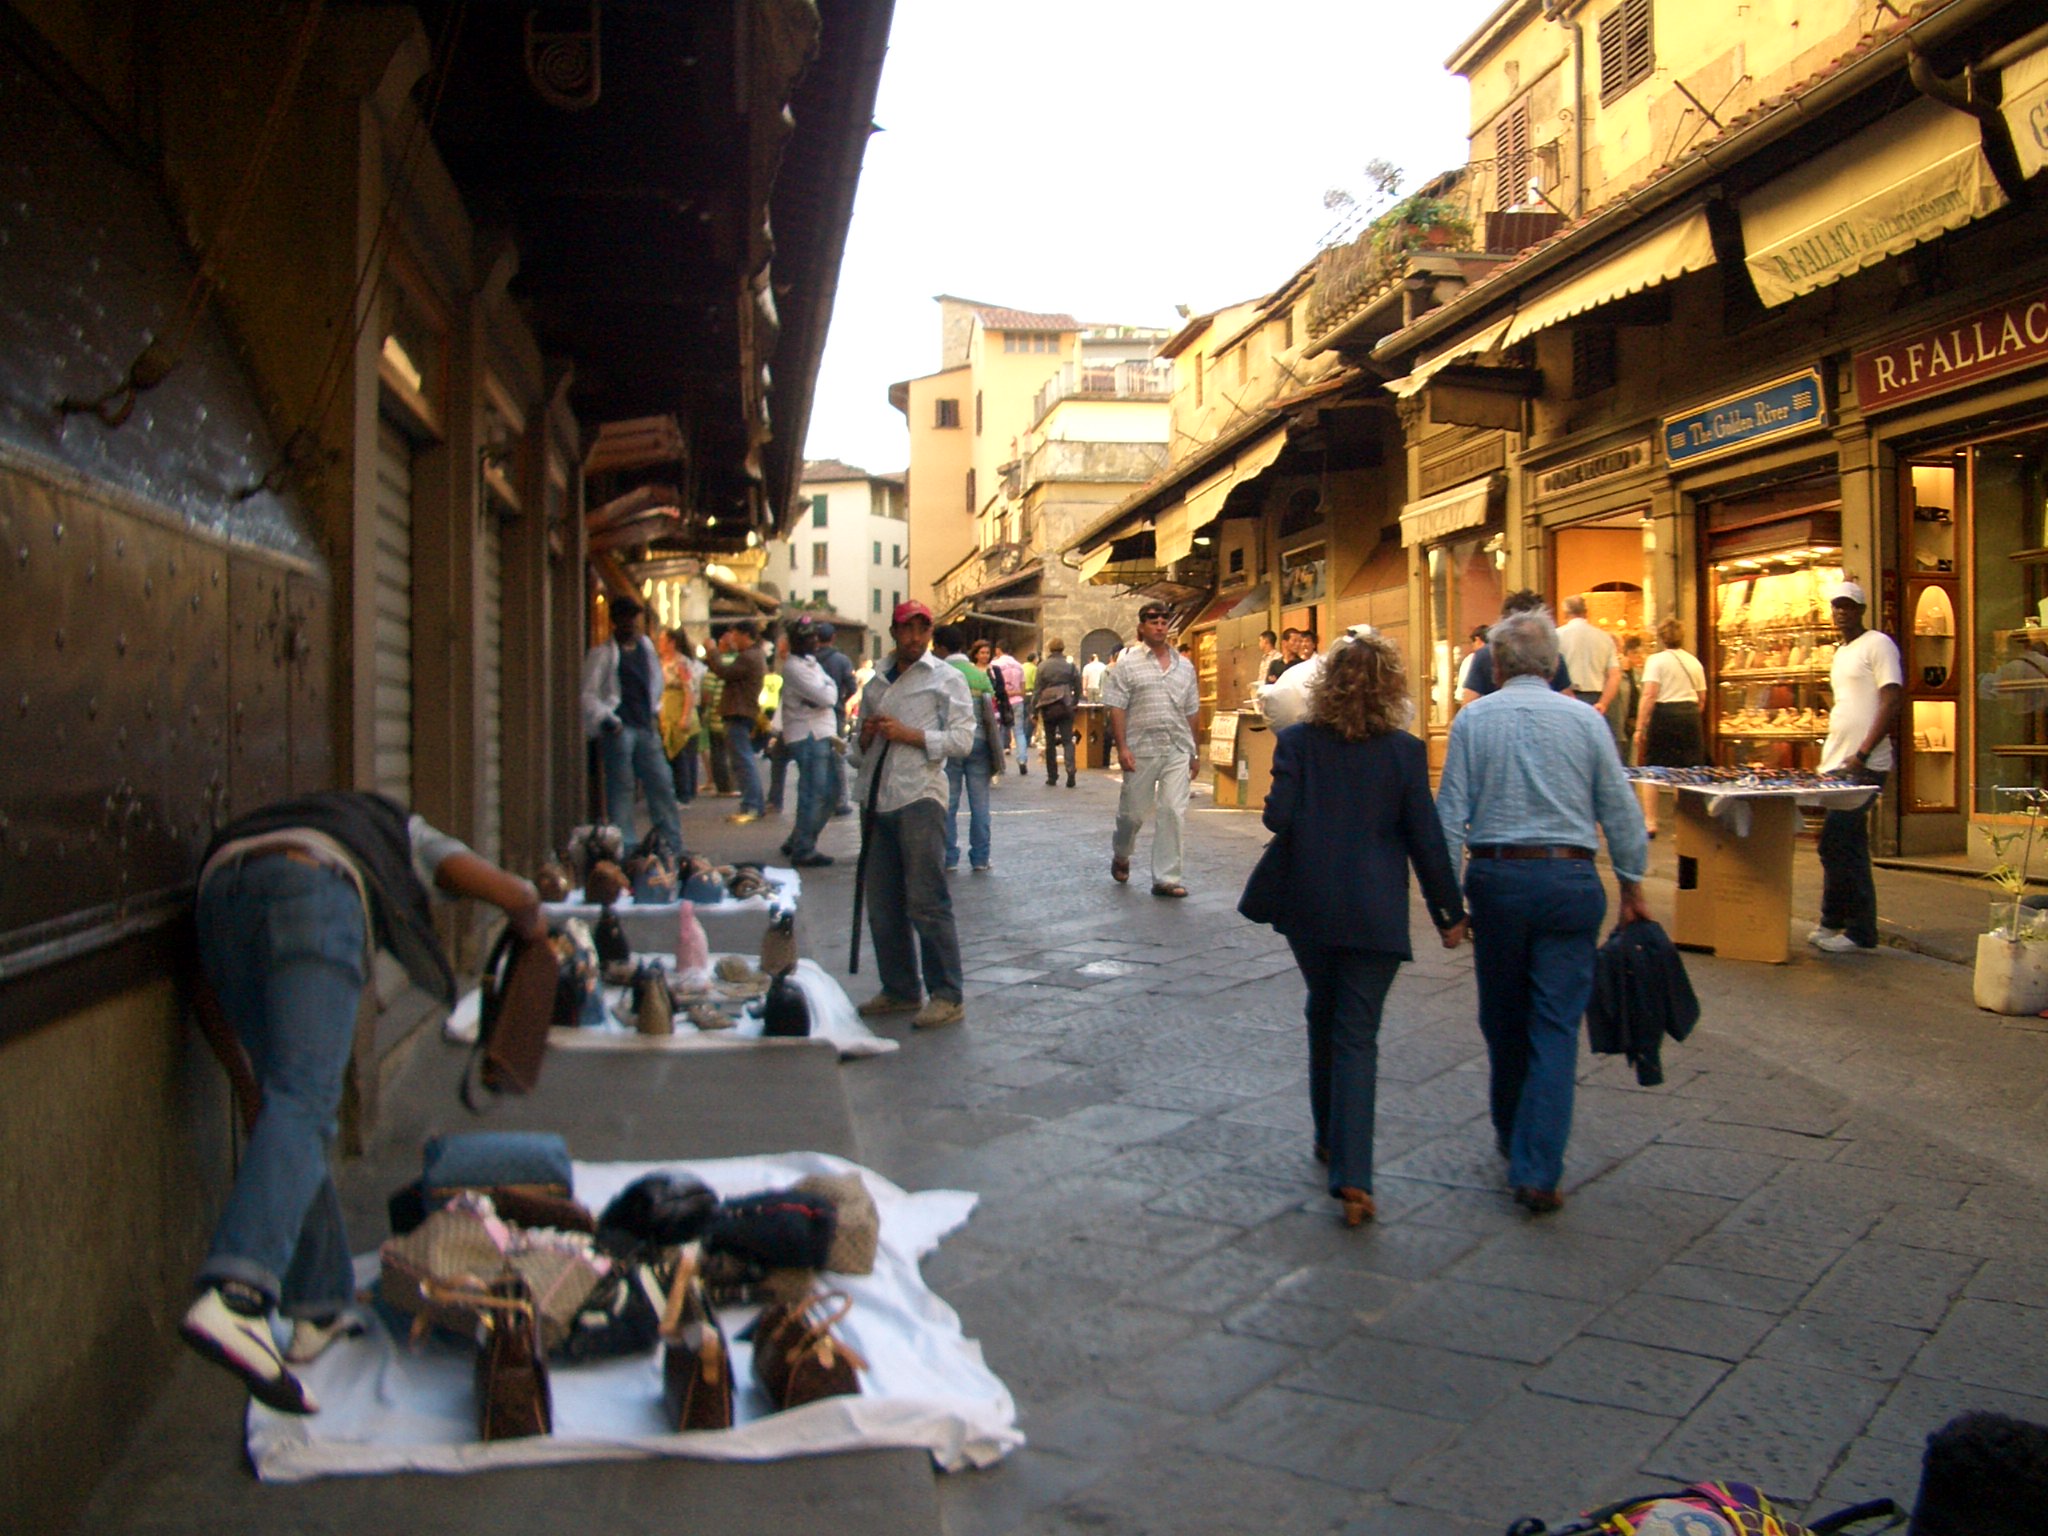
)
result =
(1735, 845)
(733, 926)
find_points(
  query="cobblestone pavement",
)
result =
(1821, 1237)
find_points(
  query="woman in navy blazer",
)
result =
(1351, 797)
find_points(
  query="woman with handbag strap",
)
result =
(1350, 811)
(293, 901)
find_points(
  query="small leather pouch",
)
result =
(798, 1359)
(696, 1369)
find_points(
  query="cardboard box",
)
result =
(1255, 755)
(1735, 893)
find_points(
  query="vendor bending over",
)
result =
(289, 899)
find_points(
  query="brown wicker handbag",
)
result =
(797, 1359)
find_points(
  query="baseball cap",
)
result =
(1850, 591)
(912, 609)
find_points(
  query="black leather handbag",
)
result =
(1266, 889)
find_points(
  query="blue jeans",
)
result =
(746, 773)
(817, 792)
(683, 770)
(1347, 991)
(907, 896)
(1019, 731)
(973, 771)
(282, 943)
(1535, 927)
(634, 752)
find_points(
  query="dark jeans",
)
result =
(778, 768)
(1848, 894)
(817, 790)
(1347, 989)
(1535, 928)
(721, 764)
(739, 756)
(631, 753)
(1056, 734)
(907, 895)
(683, 769)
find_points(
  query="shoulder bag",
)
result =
(516, 1006)
(1266, 889)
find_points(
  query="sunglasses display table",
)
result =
(1735, 841)
(734, 926)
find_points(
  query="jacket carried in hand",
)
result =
(1640, 994)
(1356, 814)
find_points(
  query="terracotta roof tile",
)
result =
(995, 319)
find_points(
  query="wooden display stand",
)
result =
(1091, 736)
(1735, 893)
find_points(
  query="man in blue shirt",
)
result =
(1476, 680)
(1530, 781)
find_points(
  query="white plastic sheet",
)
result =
(833, 1017)
(386, 1407)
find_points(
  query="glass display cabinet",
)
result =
(1774, 641)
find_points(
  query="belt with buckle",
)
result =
(1530, 851)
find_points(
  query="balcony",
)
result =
(1149, 380)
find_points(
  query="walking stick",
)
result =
(860, 866)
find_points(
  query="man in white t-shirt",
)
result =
(1867, 682)
(1589, 656)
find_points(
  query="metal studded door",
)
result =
(391, 723)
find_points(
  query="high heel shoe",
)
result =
(1358, 1207)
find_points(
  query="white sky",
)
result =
(1111, 159)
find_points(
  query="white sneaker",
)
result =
(1816, 937)
(1839, 944)
(310, 1338)
(234, 1330)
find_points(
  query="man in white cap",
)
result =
(1867, 682)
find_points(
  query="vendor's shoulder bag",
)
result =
(1265, 890)
(515, 1008)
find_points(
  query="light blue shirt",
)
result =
(1529, 766)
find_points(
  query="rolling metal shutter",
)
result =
(491, 818)
(391, 571)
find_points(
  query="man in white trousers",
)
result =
(1154, 704)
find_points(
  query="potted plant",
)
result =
(2012, 959)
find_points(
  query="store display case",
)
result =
(1773, 645)
(1928, 731)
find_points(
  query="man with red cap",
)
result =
(914, 714)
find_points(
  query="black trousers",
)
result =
(1056, 734)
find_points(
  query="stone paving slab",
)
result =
(1807, 1249)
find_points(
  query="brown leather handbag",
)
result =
(797, 1359)
(516, 1006)
(513, 1400)
(696, 1370)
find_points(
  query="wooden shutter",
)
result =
(1627, 57)
(491, 800)
(1511, 154)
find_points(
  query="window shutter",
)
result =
(1627, 55)
(1511, 154)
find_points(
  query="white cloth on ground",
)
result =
(387, 1408)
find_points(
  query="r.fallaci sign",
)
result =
(1747, 420)
(1995, 341)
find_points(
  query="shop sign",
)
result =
(1748, 420)
(1984, 345)
(1488, 453)
(1594, 467)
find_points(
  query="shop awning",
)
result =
(1673, 251)
(1478, 344)
(1097, 558)
(1461, 507)
(1124, 561)
(1914, 176)
(1178, 524)
(2026, 109)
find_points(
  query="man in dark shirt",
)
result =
(1479, 676)
(741, 666)
(622, 686)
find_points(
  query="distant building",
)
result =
(1033, 427)
(848, 550)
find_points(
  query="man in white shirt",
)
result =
(1589, 656)
(914, 714)
(1867, 682)
(1091, 679)
(1154, 704)
(622, 686)
(809, 705)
